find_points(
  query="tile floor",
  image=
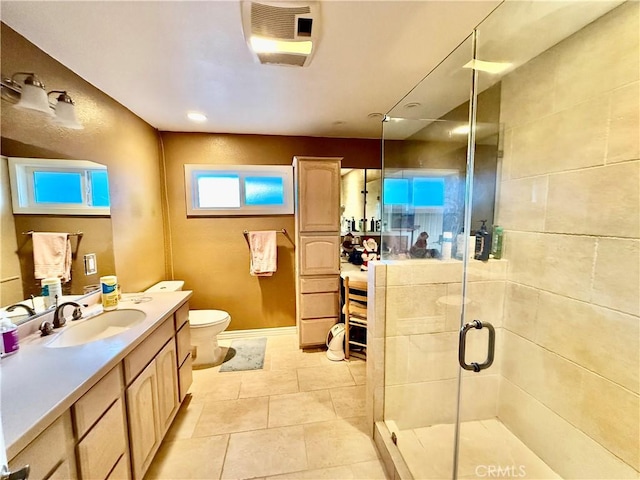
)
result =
(301, 417)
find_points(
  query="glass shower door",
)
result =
(561, 398)
(423, 209)
(523, 362)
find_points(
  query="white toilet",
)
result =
(204, 326)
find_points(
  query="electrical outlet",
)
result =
(90, 264)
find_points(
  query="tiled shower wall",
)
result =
(569, 202)
(421, 301)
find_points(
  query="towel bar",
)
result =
(283, 231)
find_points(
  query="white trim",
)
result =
(22, 188)
(258, 332)
(192, 171)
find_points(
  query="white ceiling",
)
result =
(161, 59)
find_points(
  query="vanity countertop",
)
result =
(38, 384)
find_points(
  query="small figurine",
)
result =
(370, 253)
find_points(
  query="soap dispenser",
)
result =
(483, 243)
(9, 336)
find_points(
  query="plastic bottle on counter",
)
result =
(51, 287)
(109, 289)
(483, 243)
(9, 331)
(496, 244)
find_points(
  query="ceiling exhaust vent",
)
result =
(281, 33)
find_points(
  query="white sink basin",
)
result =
(105, 325)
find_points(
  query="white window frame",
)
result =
(22, 188)
(192, 171)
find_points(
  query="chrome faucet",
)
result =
(29, 310)
(58, 316)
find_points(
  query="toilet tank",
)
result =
(166, 286)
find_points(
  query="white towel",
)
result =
(52, 255)
(264, 256)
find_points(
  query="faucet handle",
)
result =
(77, 314)
(46, 329)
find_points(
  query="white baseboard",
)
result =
(257, 332)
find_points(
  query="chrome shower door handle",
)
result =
(462, 346)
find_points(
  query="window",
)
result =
(238, 190)
(60, 187)
(416, 192)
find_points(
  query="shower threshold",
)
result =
(488, 449)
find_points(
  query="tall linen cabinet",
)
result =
(317, 187)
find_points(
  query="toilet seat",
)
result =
(207, 318)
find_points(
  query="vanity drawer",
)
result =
(100, 450)
(95, 402)
(182, 316)
(319, 305)
(320, 284)
(137, 360)
(185, 377)
(314, 331)
(183, 341)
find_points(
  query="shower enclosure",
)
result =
(524, 365)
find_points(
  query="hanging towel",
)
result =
(264, 256)
(52, 255)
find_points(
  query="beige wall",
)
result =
(569, 204)
(112, 136)
(210, 254)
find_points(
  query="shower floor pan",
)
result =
(488, 449)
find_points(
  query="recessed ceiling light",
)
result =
(375, 115)
(412, 105)
(268, 45)
(339, 122)
(197, 117)
(488, 67)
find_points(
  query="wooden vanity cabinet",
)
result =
(317, 247)
(114, 430)
(152, 394)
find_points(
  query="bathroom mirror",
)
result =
(360, 197)
(91, 235)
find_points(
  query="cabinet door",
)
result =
(144, 429)
(319, 255)
(319, 195)
(167, 373)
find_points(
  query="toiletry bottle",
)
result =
(483, 243)
(373, 225)
(447, 243)
(50, 288)
(353, 224)
(109, 288)
(496, 244)
(9, 336)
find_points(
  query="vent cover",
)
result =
(290, 22)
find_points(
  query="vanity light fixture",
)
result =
(31, 94)
(197, 117)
